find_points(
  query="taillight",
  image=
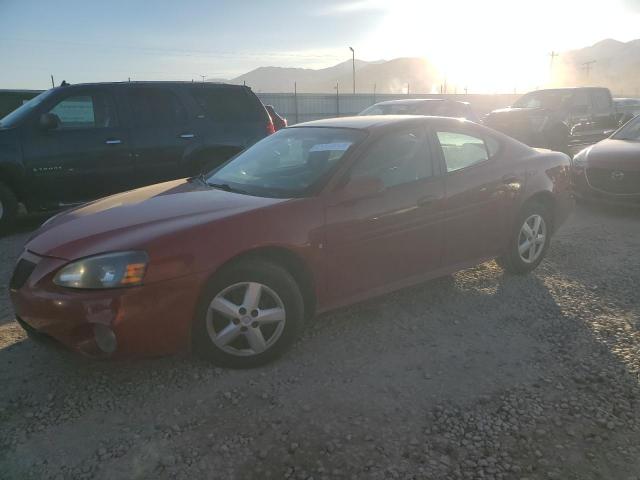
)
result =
(270, 128)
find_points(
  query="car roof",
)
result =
(369, 122)
(413, 101)
(150, 83)
(566, 89)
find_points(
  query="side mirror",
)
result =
(49, 121)
(359, 188)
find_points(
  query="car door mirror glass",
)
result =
(49, 121)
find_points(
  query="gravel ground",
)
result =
(480, 375)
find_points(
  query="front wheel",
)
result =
(530, 240)
(248, 315)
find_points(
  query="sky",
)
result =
(478, 42)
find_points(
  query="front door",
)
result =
(378, 242)
(87, 156)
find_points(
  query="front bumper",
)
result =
(148, 320)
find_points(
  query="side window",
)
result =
(153, 107)
(85, 111)
(226, 104)
(461, 150)
(397, 158)
(601, 101)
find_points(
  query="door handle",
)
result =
(509, 179)
(512, 182)
(113, 141)
(187, 136)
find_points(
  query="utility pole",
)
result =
(337, 99)
(203, 77)
(553, 56)
(295, 99)
(53, 84)
(353, 65)
(586, 66)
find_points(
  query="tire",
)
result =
(8, 208)
(256, 332)
(515, 262)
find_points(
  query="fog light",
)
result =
(105, 338)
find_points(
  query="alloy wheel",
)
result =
(246, 319)
(532, 238)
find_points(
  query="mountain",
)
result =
(614, 64)
(608, 63)
(387, 76)
(279, 79)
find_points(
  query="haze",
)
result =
(487, 46)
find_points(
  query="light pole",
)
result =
(353, 64)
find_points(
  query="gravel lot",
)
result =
(480, 375)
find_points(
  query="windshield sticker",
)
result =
(330, 147)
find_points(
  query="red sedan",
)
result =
(320, 215)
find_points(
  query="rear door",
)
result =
(581, 119)
(231, 116)
(478, 203)
(161, 133)
(604, 114)
(86, 157)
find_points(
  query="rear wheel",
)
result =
(8, 208)
(248, 315)
(530, 240)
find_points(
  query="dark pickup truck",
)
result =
(558, 118)
(75, 143)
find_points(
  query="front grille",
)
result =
(617, 182)
(23, 270)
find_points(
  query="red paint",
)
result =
(352, 249)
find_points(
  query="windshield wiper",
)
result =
(224, 186)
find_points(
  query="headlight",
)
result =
(111, 270)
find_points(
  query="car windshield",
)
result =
(551, 99)
(15, 117)
(421, 108)
(631, 131)
(287, 164)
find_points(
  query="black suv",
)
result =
(75, 143)
(558, 118)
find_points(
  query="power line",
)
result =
(177, 51)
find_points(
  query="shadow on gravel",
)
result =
(476, 375)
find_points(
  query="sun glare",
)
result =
(489, 46)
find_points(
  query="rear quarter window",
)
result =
(226, 104)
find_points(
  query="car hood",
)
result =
(130, 220)
(614, 154)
